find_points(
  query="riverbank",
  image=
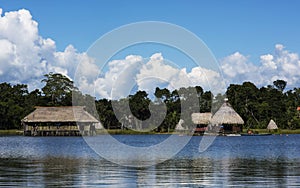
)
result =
(11, 132)
(279, 131)
(132, 132)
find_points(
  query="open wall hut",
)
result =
(201, 120)
(272, 125)
(59, 121)
(228, 119)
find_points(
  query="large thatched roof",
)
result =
(60, 114)
(226, 115)
(201, 118)
(272, 125)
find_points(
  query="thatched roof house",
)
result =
(201, 118)
(272, 125)
(60, 121)
(230, 120)
(59, 114)
(226, 115)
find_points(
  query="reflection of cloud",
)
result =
(282, 64)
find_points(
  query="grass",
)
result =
(279, 131)
(120, 131)
(132, 132)
(11, 132)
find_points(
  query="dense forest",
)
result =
(255, 105)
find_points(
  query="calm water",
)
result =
(268, 161)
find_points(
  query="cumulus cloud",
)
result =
(281, 64)
(120, 78)
(236, 68)
(125, 76)
(25, 56)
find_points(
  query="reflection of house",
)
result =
(201, 120)
(60, 121)
(228, 119)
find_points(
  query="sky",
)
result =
(252, 40)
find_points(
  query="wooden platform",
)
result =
(53, 133)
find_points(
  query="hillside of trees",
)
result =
(255, 105)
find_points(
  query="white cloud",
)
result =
(119, 80)
(209, 80)
(137, 73)
(282, 64)
(236, 67)
(25, 56)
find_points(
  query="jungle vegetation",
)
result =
(255, 105)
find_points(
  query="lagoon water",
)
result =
(265, 161)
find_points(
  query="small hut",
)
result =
(272, 125)
(201, 120)
(179, 126)
(59, 121)
(228, 119)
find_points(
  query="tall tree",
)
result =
(139, 105)
(12, 105)
(58, 89)
(280, 84)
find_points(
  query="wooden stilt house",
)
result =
(59, 121)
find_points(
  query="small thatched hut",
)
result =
(59, 121)
(179, 126)
(228, 118)
(272, 125)
(201, 120)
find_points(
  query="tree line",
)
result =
(255, 105)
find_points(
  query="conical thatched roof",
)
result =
(272, 125)
(201, 118)
(179, 126)
(226, 115)
(60, 114)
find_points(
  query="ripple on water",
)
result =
(69, 162)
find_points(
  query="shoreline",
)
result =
(12, 132)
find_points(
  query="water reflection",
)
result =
(229, 162)
(64, 172)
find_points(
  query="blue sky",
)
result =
(250, 27)
(252, 40)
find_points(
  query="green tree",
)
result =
(12, 105)
(243, 99)
(280, 84)
(139, 105)
(106, 114)
(58, 89)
